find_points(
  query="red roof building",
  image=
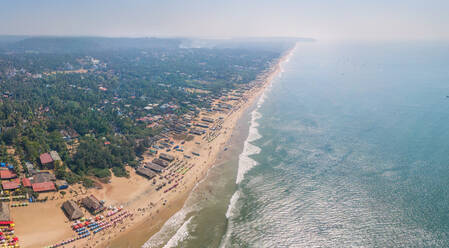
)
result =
(46, 158)
(43, 187)
(7, 174)
(26, 182)
(10, 185)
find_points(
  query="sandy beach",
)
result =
(43, 224)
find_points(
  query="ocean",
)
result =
(349, 147)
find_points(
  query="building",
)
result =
(4, 212)
(167, 157)
(154, 167)
(7, 174)
(61, 184)
(92, 204)
(160, 162)
(8, 185)
(207, 119)
(145, 172)
(202, 125)
(197, 132)
(43, 187)
(42, 177)
(46, 159)
(26, 182)
(72, 211)
(55, 156)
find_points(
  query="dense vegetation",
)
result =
(97, 89)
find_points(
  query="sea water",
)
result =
(348, 148)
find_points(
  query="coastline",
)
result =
(150, 208)
(137, 234)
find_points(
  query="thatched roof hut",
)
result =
(167, 157)
(72, 210)
(160, 162)
(92, 204)
(145, 172)
(154, 167)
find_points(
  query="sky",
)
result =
(319, 19)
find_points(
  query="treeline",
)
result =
(102, 106)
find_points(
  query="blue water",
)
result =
(354, 151)
(348, 148)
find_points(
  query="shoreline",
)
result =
(183, 198)
(150, 208)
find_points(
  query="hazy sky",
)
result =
(321, 19)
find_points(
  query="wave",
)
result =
(180, 235)
(246, 163)
(167, 229)
(232, 204)
(176, 221)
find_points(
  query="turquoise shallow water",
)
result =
(350, 148)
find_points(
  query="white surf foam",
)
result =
(174, 222)
(229, 213)
(167, 229)
(245, 162)
(181, 235)
(232, 204)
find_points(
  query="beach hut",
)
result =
(92, 204)
(145, 172)
(207, 119)
(72, 210)
(7, 174)
(46, 159)
(43, 187)
(154, 167)
(160, 162)
(26, 182)
(167, 157)
(7, 185)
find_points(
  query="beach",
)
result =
(149, 207)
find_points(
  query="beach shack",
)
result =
(7, 174)
(26, 182)
(197, 132)
(72, 210)
(154, 167)
(46, 160)
(167, 157)
(10, 185)
(43, 187)
(202, 125)
(160, 162)
(207, 119)
(92, 204)
(4, 212)
(145, 172)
